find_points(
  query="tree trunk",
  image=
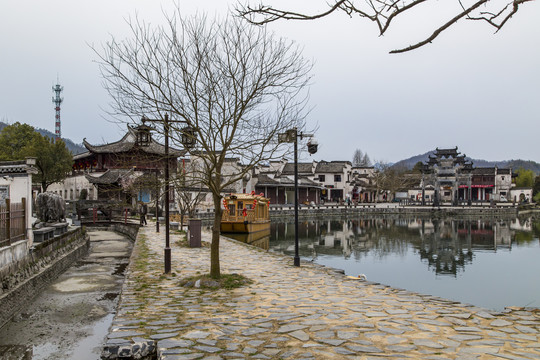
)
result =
(215, 272)
(181, 220)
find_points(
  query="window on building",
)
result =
(71, 194)
(337, 178)
(502, 177)
(65, 195)
(321, 178)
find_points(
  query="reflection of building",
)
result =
(448, 244)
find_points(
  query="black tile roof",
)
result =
(13, 167)
(331, 167)
(110, 176)
(127, 143)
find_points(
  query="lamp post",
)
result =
(291, 136)
(188, 140)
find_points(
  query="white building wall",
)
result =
(71, 187)
(20, 186)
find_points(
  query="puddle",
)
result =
(44, 351)
(89, 348)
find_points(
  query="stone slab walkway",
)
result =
(310, 312)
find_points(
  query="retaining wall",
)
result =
(277, 211)
(41, 265)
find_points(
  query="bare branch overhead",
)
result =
(382, 12)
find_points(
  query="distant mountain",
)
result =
(514, 164)
(73, 147)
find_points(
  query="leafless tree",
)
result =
(496, 13)
(237, 86)
(357, 157)
(391, 179)
(189, 190)
(361, 159)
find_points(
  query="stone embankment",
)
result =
(44, 263)
(313, 211)
(307, 312)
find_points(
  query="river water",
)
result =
(488, 262)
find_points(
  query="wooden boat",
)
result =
(245, 213)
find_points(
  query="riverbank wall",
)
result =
(42, 263)
(280, 211)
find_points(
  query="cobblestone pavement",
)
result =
(310, 312)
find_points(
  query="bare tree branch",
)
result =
(383, 12)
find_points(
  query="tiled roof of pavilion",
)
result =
(447, 152)
(110, 176)
(127, 143)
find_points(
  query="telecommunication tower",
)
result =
(57, 100)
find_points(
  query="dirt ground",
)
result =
(71, 318)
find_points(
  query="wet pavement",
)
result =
(307, 312)
(70, 319)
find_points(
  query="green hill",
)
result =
(73, 147)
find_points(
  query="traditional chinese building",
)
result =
(122, 170)
(454, 179)
(276, 182)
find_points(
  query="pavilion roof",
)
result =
(128, 143)
(110, 176)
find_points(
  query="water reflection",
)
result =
(487, 262)
(446, 245)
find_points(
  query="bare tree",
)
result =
(358, 156)
(383, 12)
(366, 161)
(189, 190)
(361, 159)
(391, 179)
(235, 85)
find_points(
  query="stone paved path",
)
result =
(309, 312)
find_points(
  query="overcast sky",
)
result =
(471, 88)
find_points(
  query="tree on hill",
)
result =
(386, 12)
(53, 159)
(234, 85)
(536, 189)
(525, 178)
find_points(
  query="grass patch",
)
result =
(226, 281)
(183, 243)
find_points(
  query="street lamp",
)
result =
(188, 140)
(291, 136)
